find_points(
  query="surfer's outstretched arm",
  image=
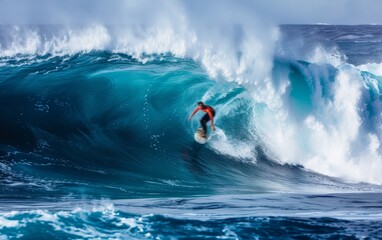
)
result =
(193, 113)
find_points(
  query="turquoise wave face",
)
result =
(107, 125)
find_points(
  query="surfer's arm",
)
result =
(193, 113)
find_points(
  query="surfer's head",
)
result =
(201, 104)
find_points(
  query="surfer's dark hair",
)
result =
(200, 103)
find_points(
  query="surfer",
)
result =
(209, 116)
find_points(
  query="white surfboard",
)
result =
(198, 136)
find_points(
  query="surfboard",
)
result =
(198, 136)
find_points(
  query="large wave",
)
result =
(312, 108)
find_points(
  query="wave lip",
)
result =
(43, 40)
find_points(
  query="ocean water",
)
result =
(95, 142)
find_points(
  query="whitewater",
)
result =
(95, 142)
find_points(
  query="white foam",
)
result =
(230, 147)
(79, 219)
(22, 42)
(32, 41)
(374, 68)
(331, 139)
(321, 55)
(6, 223)
(95, 37)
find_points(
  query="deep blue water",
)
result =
(258, 216)
(95, 143)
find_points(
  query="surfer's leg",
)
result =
(204, 121)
